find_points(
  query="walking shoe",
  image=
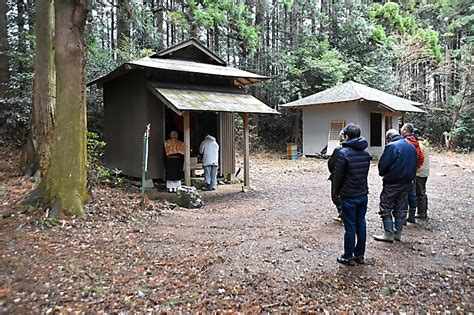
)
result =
(421, 217)
(206, 188)
(345, 261)
(359, 260)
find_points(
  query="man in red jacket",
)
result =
(407, 132)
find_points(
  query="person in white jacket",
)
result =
(209, 149)
(422, 174)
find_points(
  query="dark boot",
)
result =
(387, 236)
(422, 210)
(421, 216)
(411, 215)
(397, 235)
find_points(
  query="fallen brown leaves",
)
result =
(270, 250)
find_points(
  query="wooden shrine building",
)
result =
(186, 88)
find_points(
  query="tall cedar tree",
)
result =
(65, 180)
(4, 68)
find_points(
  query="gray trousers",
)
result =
(391, 199)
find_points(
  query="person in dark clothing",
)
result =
(397, 166)
(331, 165)
(350, 183)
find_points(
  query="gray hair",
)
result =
(174, 134)
(408, 127)
(391, 133)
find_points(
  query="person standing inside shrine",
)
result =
(174, 150)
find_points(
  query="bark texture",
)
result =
(4, 71)
(65, 182)
(20, 23)
(124, 14)
(44, 82)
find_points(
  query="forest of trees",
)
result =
(418, 49)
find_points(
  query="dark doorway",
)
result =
(174, 122)
(375, 130)
(201, 123)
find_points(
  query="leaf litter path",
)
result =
(272, 249)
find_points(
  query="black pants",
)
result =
(391, 199)
(335, 198)
(174, 167)
(421, 197)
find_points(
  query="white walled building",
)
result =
(325, 113)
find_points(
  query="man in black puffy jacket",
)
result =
(350, 183)
(398, 168)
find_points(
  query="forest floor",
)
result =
(272, 249)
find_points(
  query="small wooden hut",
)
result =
(186, 88)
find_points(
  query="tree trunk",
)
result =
(447, 81)
(295, 129)
(20, 22)
(216, 39)
(168, 31)
(4, 64)
(259, 23)
(65, 182)
(294, 25)
(31, 14)
(193, 26)
(124, 14)
(44, 82)
(112, 29)
(159, 17)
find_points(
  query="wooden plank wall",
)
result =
(124, 123)
(155, 116)
(226, 143)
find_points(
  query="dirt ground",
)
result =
(272, 249)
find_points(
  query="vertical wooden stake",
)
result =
(245, 118)
(187, 153)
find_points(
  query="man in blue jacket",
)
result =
(350, 183)
(398, 168)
